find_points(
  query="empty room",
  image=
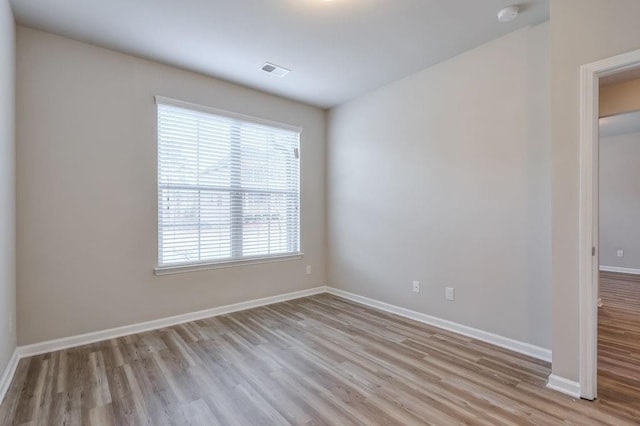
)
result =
(368, 212)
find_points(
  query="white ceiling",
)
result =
(336, 49)
(621, 77)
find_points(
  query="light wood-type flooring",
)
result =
(619, 341)
(316, 360)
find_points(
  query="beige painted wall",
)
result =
(620, 200)
(443, 177)
(582, 31)
(86, 179)
(7, 186)
(620, 98)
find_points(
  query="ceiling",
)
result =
(621, 77)
(336, 49)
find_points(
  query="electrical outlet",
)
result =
(416, 286)
(308, 269)
(449, 293)
(620, 253)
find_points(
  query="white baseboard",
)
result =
(8, 374)
(566, 386)
(93, 337)
(97, 336)
(503, 342)
(619, 269)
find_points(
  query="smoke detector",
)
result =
(274, 69)
(508, 14)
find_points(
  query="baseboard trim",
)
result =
(497, 340)
(98, 336)
(537, 352)
(619, 270)
(565, 386)
(8, 374)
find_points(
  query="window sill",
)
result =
(177, 269)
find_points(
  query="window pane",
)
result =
(269, 224)
(195, 225)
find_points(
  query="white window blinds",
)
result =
(228, 188)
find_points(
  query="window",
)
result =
(228, 187)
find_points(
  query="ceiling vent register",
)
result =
(274, 69)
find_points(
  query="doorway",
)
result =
(619, 239)
(591, 77)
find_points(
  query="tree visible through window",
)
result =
(228, 188)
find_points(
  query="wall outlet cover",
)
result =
(449, 293)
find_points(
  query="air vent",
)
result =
(274, 69)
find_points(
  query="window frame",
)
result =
(164, 269)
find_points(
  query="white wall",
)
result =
(582, 31)
(86, 182)
(620, 200)
(7, 186)
(443, 177)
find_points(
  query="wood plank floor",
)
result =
(619, 340)
(316, 360)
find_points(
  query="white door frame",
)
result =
(588, 277)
